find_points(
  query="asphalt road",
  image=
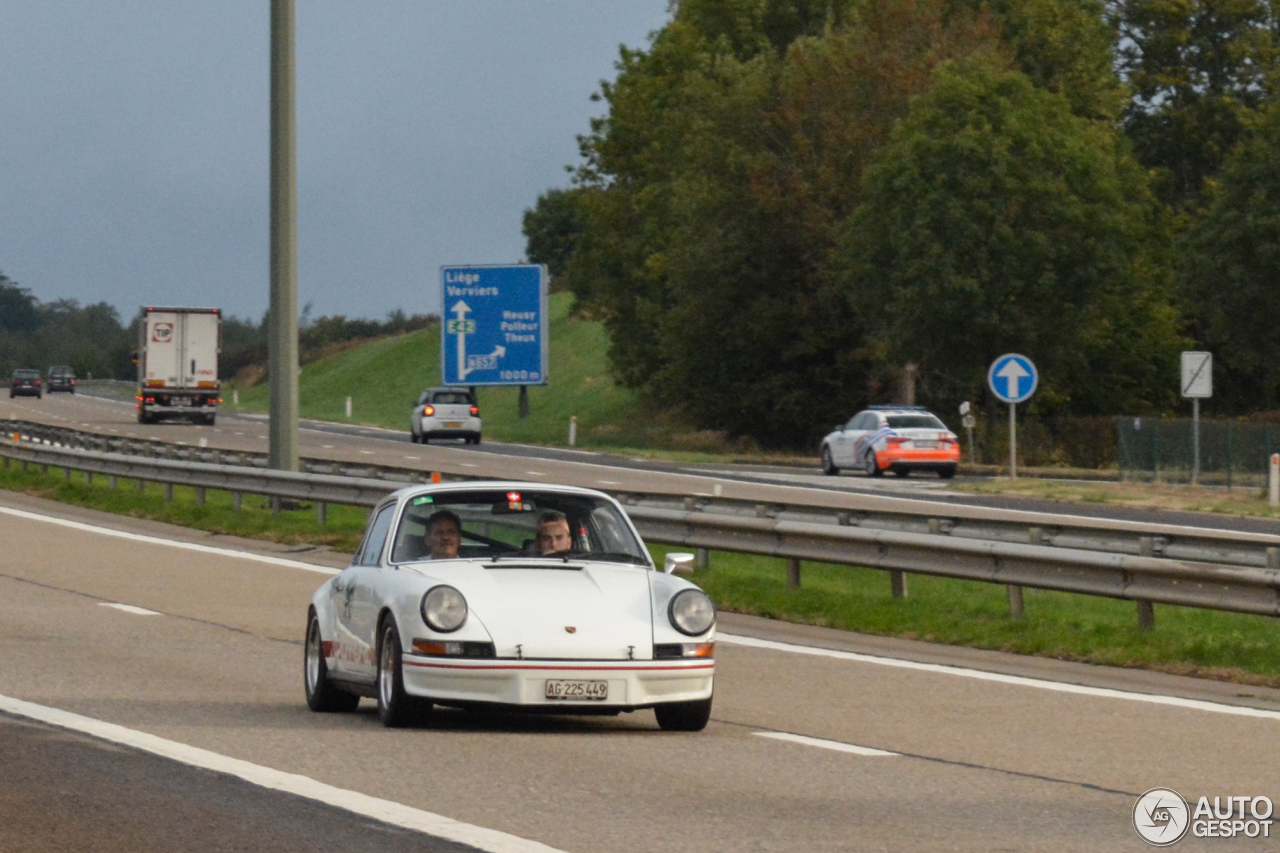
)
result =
(980, 762)
(371, 445)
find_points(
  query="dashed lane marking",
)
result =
(824, 744)
(128, 608)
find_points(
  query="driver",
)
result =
(553, 533)
(444, 535)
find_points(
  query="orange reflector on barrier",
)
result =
(435, 476)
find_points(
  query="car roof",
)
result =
(494, 485)
(899, 410)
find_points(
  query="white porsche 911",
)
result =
(510, 595)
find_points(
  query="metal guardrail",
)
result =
(802, 533)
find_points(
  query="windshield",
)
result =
(524, 523)
(914, 422)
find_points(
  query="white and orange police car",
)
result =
(900, 439)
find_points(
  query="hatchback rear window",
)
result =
(455, 398)
(914, 422)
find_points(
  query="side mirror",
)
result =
(678, 564)
(839, 427)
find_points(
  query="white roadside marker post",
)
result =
(1273, 480)
(573, 431)
(348, 407)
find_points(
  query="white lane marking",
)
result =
(156, 540)
(825, 744)
(128, 608)
(413, 457)
(327, 446)
(608, 482)
(386, 811)
(367, 452)
(1019, 680)
(535, 473)
(469, 465)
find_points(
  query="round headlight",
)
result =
(691, 612)
(444, 609)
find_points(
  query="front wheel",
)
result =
(870, 465)
(396, 708)
(828, 464)
(322, 695)
(684, 716)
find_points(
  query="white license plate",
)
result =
(563, 689)
(181, 401)
(925, 445)
(453, 424)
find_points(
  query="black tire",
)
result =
(475, 439)
(902, 472)
(210, 420)
(869, 464)
(947, 473)
(322, 695)
(413, 437)
(396, 708)
(683, 716)
(424, 439)
(828, 465)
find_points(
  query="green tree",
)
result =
(1199, 70)
(713, 193)
(1231, 275)
(551, 228)
(996, 220)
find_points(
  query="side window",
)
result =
(861, 421)
(422, 400)
(371, 549)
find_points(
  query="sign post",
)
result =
(495, 328)
(1013, 379)
(1197, 383)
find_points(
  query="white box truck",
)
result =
(178, 364)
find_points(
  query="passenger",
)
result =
(553, 533)
(444, 535)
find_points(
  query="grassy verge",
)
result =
(1186, 641)
(254, 520)
(1239, 501)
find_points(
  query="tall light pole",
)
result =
(282, 358)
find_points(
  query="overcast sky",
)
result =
(134, 142)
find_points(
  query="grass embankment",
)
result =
(383, 378)
(1072, 627)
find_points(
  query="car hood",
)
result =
(574, 611)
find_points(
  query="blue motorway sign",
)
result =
(494, 330)
(1012, 378)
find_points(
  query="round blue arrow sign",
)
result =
(1012, 378)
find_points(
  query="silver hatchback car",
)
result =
(445, 413)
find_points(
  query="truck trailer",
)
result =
(178, 364)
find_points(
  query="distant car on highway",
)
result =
(445, 413)
(60, 378)
(510, 595)
(900, 439)
(25, 383)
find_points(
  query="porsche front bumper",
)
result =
(632, 684)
